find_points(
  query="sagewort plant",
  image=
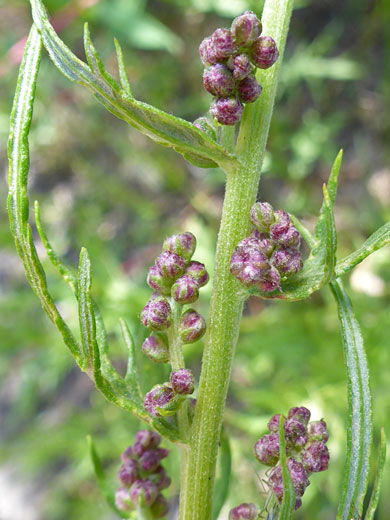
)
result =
(258, 253)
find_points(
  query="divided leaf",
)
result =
(160, 126)
(359, 433)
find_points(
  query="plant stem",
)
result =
(144, 513)
(226, 307)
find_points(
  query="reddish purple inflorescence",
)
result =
(185, 290)
(156, 313)
(270, 254)
(192, 326)
(142, 477)
(182, 381)
(305, 455)
(156, 348)
(161, 400)
(230, 57)
(244, 512)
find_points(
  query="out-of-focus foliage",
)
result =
(104, 186)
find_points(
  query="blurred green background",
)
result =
(104, 186)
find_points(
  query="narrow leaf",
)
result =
(379, 474)
(359, 432)
(164, 128)
(334, 176)
(125, 84)
(379, 239)
(18, 206)
(224, 468)
(101, 479)
(288, 504)
(131, 377)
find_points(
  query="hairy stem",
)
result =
(226, 306)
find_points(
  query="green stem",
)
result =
(144, 513)
(226, 307)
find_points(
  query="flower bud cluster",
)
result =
(230, 57)
(244, 512)
(271, 253)
(164, 400)
(174, 275)
(305, 448)
(142, 476)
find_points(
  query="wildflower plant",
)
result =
(258, 253)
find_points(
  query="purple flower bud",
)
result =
(198, 272)
(185, 290)
(264, 52)
(171, 265)
(275, 482)
(227, 111)
(298, 476)
(241, 66)
(301, 413)
(298, 503)
(182, 245)
(156, 313)
(246, 29)
(207, 52)
(128, 454)
(318, 431)
(156, 348)
(160, 507)
(143, 493)
(291, 238)
(267, 247)
(182, 381)
(248, 89)
(160, 478)
(192, 326)
(267, 449)
(244, 512)
(161, 401)
(287, 261)
(223, 42)
(150, 460)
(269, 282)
(123, 501)
(294, 428)
(146, 439)
(280, 226)
(300, 442)
(248, 264)
(315, 457)
(204, 124)
(273, 424)
(218, 80)
(262, 216)
(162, 453)
(158, 282)
(128, 472)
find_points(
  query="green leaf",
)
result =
(359, 432)
(131, 377)
(379, 239)
(319, 268)
(125, 84)
(101, 479)
(288, 504)
(379, 474)
(18, 205)
(164, 128)
(224, 469)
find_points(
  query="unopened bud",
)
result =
(248, 89)
(300, 413)
(248, 264)
(171, 265)
(160, 478)
(298, 476)
(150, 460)
(156, 348)
(241, 66)
(244, 512)
(123, 500)
(182, 381)
(192, 326)
(204, 124)
(198, 272)
(223, 43)
(293, 429)
(227, 111)
(129, 472)
(207, 52)
(267, 449)
(156, 314)
(287, 261)
(291, 238)
(270, 281)
(185, 290)
(246, 29)
(143, 492)
(159, 282)
(315, 457)
(318, 431)
(162, 401)
(262, 216)
(218, 80)
(145, 440)
(273, 424)
(280, 225)
(160, 507)
(183, 244)
(264, 52)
